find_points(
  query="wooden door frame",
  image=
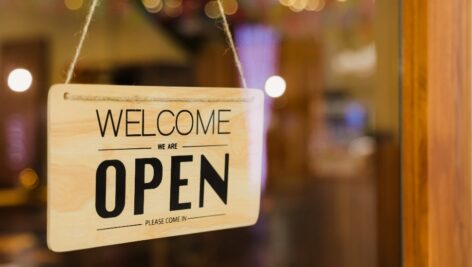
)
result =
(436, 147)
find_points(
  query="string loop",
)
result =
(88, 20)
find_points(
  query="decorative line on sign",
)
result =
(117, 227)
(68, 96)
(203, 146)
(124, 148)
(206, 216)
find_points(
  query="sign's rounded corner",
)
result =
(52, 246)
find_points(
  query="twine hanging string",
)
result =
(88, 20)
(83, 35)
(229, 38)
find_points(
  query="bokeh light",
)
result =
(153, 6)
(28, 178)
(275, 86)
(174, 3)
(301, 5)
(20, 80)
(211, 10)
(73, 4)
(230, 7)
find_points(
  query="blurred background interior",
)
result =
(330, 71)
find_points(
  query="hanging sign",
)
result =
(135, 163)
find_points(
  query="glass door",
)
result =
(329, 70)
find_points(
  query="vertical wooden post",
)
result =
(437, 226)
(414, 131)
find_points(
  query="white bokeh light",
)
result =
(20, 80)
(275, 86)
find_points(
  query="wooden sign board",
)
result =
(135, 163)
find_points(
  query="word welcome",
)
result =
(183, 122)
